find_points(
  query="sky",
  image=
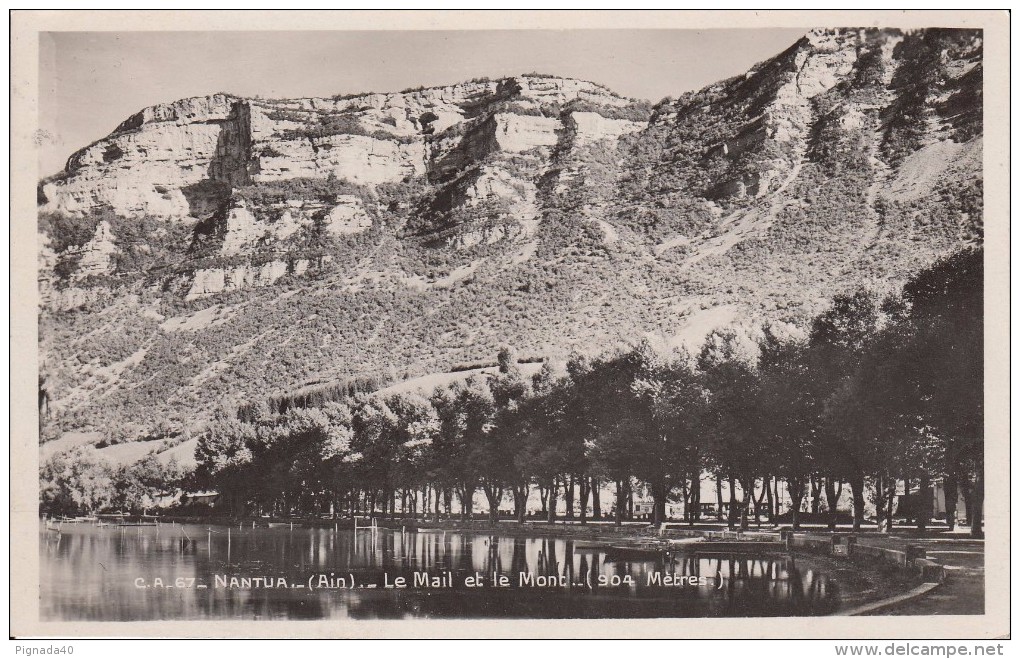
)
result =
(92, 81)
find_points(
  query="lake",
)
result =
(196, 572)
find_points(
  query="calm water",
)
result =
(188, 573)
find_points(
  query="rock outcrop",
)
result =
(96, 256)
(193, 160)
(856, 77)
(589, 127)
(150, 163)
(210, 281)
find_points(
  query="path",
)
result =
(740, 224)
(962, 593)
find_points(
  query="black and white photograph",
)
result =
(606, 326)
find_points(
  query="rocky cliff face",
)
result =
(913, 89)
(395, 232)
(149, 163)
(152, 162)
(186, 161)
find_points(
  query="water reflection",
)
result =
(195, 572)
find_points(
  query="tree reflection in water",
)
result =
(90, 573)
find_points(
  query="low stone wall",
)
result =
(853, 547)
(911, 557)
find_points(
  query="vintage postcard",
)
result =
(510, 324)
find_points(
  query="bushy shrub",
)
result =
(328, 126)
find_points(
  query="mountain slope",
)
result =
(219, 250)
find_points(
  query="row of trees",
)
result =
(81, 481)
(881, 390)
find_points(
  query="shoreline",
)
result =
(885, 573)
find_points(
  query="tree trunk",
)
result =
(857, 492)
(521, 491)
(975, 507)
(621, 501)
(747, 485)
(770, 503)
(494, 495)
(585, 490)
(775, 486)
(879, 500)
(695, 496)
(543, 496)
(553, 486)
(685, 495)
(467, 504)
(758, 501)
(890, 503)
(906, 495)
(731, 517)
(568, 495)
(596, 503)
(659, 499)
(832, 500)
(795, 488)
(924, 502)
(718, 499)
(630, 501)
(951, 492)
(816, 491)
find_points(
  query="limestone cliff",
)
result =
(191, 160)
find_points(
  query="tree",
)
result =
(838, 339)
(140, 485)
(77, 481)
(491, 453)
(792, 412)
(445, 459)
(737, 445)
(947, 313)
(603, 385)
(519, 424)
(669, 409)
(465, 413)
(578, 424)
(416, 428)
(940, 372)
(224, 457)
(543, 418)
(377, 441)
